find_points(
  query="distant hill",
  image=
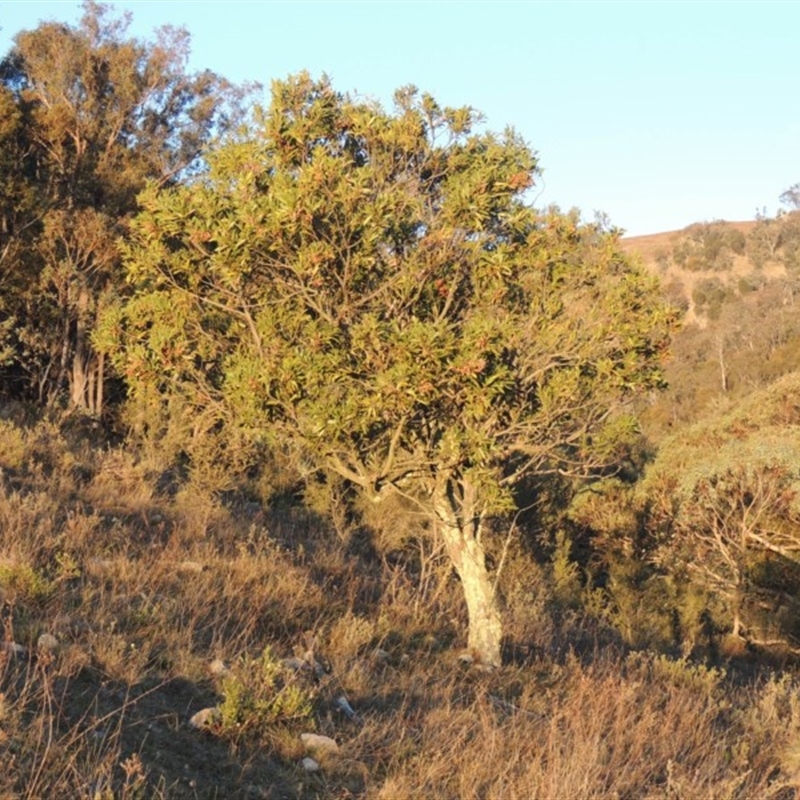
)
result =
(701, 254)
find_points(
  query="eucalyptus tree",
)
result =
(373, 289)
(100, 113)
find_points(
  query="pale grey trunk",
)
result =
(86, 381)
(79, 379)
(460, 527)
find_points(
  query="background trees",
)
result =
(371, 289)
(89, 115)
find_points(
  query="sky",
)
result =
(658, 114)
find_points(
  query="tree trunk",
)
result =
(460, 526)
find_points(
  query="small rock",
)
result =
(194, 567)
(379, 654)
(13, 648)
(47, 643)
(309, 765)
(204, 718)
(294, 663)
(218, 669)
(344, 706)
(466, 657)
(315, 743)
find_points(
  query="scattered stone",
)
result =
(47, 643)
(218, 669)
(315, 743)
(294, 663)
(194, 567)
(379, 654)
(309, 765)
(466, 657)
(12, 648)
(204, 718)
(344, 706)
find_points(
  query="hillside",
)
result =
(736, 283)
(656, 251)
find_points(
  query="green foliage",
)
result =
(89, 114)
(709, 295)
(724, 496)
(22, 583)
(259, 694)
(383, 300)
(764, 240)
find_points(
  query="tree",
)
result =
(371, 289)
(791, 197)
(764, 239)
(100, 114)
(723, 499)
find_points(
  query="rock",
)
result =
(309, 765)
(344, 706)
(294, 663)
(193, 567)
(315, 743)
(12, 648)
(379, 654)
(218, 669)
(204, 718)
(47, 643)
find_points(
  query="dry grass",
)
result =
(144, 589)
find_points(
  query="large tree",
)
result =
(89, 114)
(372, 289)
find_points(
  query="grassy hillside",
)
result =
(132, 601)
(740, 324)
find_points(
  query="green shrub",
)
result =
(261, 693)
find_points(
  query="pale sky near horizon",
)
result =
(660, 114)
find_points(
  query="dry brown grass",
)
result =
(145, 589)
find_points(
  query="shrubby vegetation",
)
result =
(288, 419)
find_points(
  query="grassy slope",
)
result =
(145, 584)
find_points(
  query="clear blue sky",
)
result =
(658, 113)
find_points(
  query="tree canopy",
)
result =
(373, 289)
(89, 114)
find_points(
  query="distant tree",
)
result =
(764, 239)
(708, 246)
(709, 295)
(371, 290)
(99, 113)
(791, 197)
